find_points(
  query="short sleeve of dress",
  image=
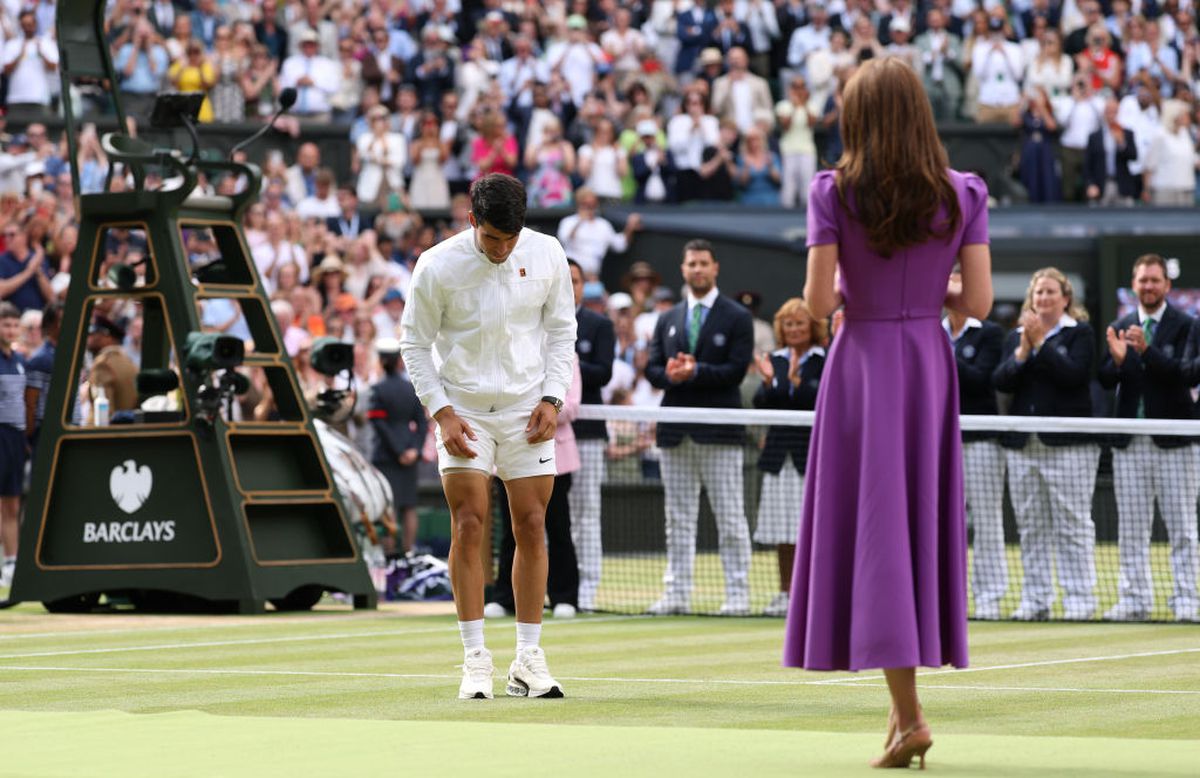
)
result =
(822, 209)
(974, 211)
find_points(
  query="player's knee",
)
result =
(468, 529)
(529, 529)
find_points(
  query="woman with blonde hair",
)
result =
(790, 377)
(880, 578)
(1047, 367)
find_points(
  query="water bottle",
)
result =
(100, 407)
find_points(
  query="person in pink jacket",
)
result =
(562, 585)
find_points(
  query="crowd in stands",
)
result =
(591, 103)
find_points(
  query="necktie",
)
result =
(694, 327)
(303, 107)
(1148, 335)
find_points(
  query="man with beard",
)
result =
(1145, 362)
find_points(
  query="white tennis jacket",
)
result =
(486, 337)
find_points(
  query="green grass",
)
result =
(336, 693)
(631, 582)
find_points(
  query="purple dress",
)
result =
(881, 559)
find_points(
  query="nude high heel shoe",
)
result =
(911, 743)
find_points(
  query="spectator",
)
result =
(302, 176)
(387, 318)
(260, 85)
(181, 34)
(162, 15)
(1083, 117)
(712, 64)
(940, 52)
(998, 66)
(694, 26)
(316, 79)
(194, 73)
(552, 162)
(429, 188)
(433, 70)
(322, 204)
(268, 32)
(899, 41)
(739, 93)
(230, 60)
(797, 118)
(653, 167)
(495, 149)
(790, 378)
(142, 65)
(719, 166)
(206, 19)
(30, 62)
(382, 157)
(761, 24)
(24, 271)
(38, 369)
(312, 23)
(520, 72)
(729, 33)
(1110, 150)
(689, 133)
(1051, 70)
(346, 99)
(711, 336)
(577, 58)
(1077, 39)
(587, 237)
(1172, 160)
(1099, 61)
(12, 437)
(603, 163)
(399, 423)
(381, 68)
(112, 368)
(624, 44)
(1039, 131)
(349, 223)
(758, 171)
(1046, 365)
(812, 36)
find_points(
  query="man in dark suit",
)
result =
(1145, 363)
(698, 356)
(399, 424)
(595, 344)
(1106, 160)
(694, 27)
(977, 347)
(350, 223)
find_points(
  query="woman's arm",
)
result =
(973, 297)
(820, 288)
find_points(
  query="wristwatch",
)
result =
(557, 403)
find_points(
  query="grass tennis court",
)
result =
(341, 693)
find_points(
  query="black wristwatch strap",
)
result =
(557, 403)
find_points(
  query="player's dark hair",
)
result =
(700, 244)
(9, 311)
(499, 200)
(574, 264)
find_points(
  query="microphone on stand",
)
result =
(287, 98)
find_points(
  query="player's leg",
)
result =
(528, 676)
(502, 602)
(467, 495)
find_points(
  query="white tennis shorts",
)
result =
(501, 446)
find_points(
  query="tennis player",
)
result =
(488, 337)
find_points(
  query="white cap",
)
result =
(619, 300)
(899, 24)
(386, 346)
(647, 127)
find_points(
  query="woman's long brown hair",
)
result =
(893, 162)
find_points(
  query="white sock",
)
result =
(528, 635)
(472, 634)
(10, 560)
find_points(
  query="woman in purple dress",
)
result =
(880, 572)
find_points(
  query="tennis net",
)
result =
(1068, 518)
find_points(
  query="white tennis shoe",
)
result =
(528, 675)
(477, 676)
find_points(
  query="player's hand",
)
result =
(455, 433)
(542, 423)
(408, 457)
(1116, 345)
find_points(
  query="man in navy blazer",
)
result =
(1146, 364)
(694, 27)
(698, 356)
(595, 344)
(977, 347)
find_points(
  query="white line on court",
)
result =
(575, 679)
(289, 639)
(1021, 665)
